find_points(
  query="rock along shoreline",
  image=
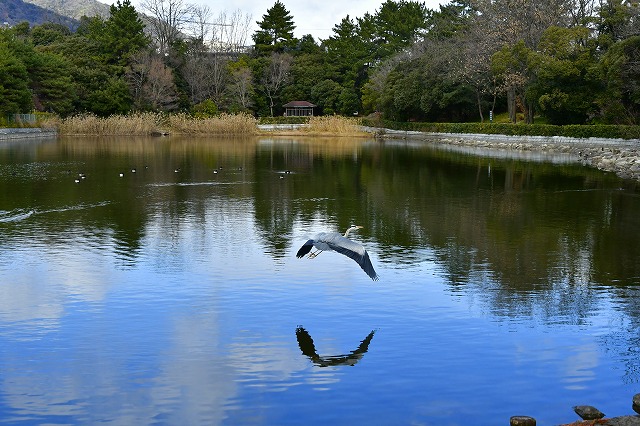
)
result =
(620, 156)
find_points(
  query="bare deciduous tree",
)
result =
(505, 22)
(207, 75)
(152, 82)
(169, 19)
(472, 65)
(241, 87)
(276, 75)
(215, 43)
(226, 34)
(582, 11)
(200, 23)
(236, 32)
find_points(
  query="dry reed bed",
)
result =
(333, 125)
(224, 124)
(150, 123)
(145, 123)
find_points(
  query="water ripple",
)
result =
(15, 215)
(167, 184)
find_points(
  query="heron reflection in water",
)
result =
(308, 348)
(341, 244)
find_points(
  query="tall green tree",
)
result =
(48, 33)
(449, 20)
(563, 86)
(347, 50)
(113, 97)
(357, 47)
(396, 25)
(511, 66)
(326, 95)
(15, 96)
(276, 31)
(52, 83)
(118, 37)
(615, 22)
(349, 56)
(93, 84)
(50, 78)
(123, 34)
(307, 71)
(619, 69)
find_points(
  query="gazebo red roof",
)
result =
(299, 104)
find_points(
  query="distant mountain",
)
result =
(36, 12)
(73, 8)
(13, 12)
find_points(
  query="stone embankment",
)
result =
(25, 133)
(619, 156)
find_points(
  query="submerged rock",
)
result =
(636, 403)
(522, 421)
(588, 412)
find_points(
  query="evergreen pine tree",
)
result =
(15, 96)
(123, 33)
(276, 31)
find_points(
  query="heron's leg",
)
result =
(314, 254)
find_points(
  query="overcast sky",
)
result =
(310, 17)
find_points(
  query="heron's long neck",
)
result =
(353, 228)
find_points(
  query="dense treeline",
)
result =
(567, 61)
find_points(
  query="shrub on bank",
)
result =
(509, 129)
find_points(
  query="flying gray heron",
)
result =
(327, 241)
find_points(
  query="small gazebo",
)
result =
(298, 109)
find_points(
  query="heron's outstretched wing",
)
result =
(353, 250)
(306, 248)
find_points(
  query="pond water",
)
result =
(155, 281)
